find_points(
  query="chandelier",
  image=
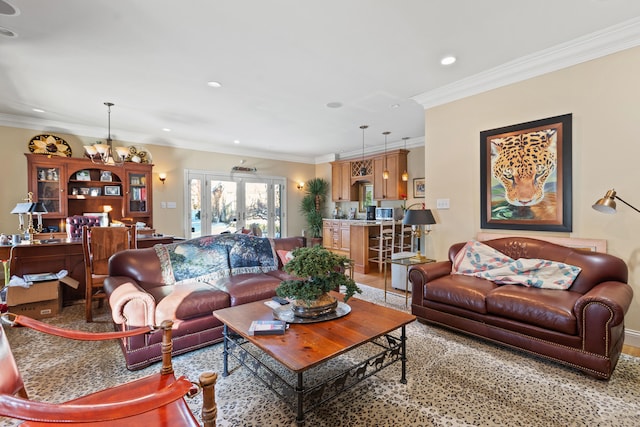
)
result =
(103, 153)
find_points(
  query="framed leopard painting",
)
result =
(525, 176)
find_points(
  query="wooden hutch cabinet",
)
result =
(73, 186)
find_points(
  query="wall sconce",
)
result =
(608, 203)
(162, 177)
(300, 185)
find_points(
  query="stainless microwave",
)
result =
(384, 214)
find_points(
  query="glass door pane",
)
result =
(195, 206)
(257, 207)
(137, 193)
(224, 206)
(49, 189)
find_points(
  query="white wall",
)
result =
(603, 95)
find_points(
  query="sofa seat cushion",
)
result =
(460, 291)
(245, 288)
(187, 300)
(546, 308)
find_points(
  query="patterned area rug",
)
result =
(453, 380)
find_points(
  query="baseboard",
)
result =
(632, 338)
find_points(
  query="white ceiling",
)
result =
(280, 62)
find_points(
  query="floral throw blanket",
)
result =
(480, 260)
(209, 258)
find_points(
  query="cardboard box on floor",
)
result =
(40, 300)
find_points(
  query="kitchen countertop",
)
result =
(358, 222)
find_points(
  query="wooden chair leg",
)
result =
(209, 407)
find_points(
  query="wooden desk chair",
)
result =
(155, 400)
(77, 222)
(98, 244)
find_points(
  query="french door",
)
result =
(218, 203)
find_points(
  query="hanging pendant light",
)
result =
(405, 174)
(104, 153)
(363, 168)
(385, 173)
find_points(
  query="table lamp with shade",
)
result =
(608, 203)
(25, 211)
(417, 219)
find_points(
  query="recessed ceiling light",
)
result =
(7, 32)
(334, 104)
(236, 141)
(166, 129)
(448, 60)
(38, 110)
(214, 84)
(7, 9)
(395, 105)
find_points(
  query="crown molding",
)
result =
(132, 138)
(592, 46)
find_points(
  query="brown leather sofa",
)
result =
(582, 327)
(139, 294)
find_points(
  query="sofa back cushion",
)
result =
(209, 258)
(596, 267)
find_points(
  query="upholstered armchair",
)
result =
(76, 222)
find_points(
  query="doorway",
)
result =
(222, 203)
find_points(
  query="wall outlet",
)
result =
(442, 204)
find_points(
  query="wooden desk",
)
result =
(61, 254)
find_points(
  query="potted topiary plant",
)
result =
(313, 204)
(317, 271)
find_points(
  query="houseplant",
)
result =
(313, 204)
(317, 271)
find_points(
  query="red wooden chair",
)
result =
(155, 400)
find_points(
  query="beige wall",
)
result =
(603, 97)
(172, 161)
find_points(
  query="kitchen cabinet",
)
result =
(74, 186)
(345, 176)
(345, 235)
(341, 188)
(394, 187)
(336, 234)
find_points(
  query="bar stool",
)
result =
(402, 239)
(382, 245)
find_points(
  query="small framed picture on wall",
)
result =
(418, 188)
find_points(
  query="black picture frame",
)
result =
(524, 206)
(111, 190)
(419, 188)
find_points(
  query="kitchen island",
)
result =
(352, 237)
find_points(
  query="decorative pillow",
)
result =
(285, 256)
(480, 260)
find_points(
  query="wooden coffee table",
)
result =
(305, 346)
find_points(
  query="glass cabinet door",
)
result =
(138, 195)
(50, 188)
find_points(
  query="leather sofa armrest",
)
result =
(616, 296)
(600, 315)
(420, 274)
(130, 304)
